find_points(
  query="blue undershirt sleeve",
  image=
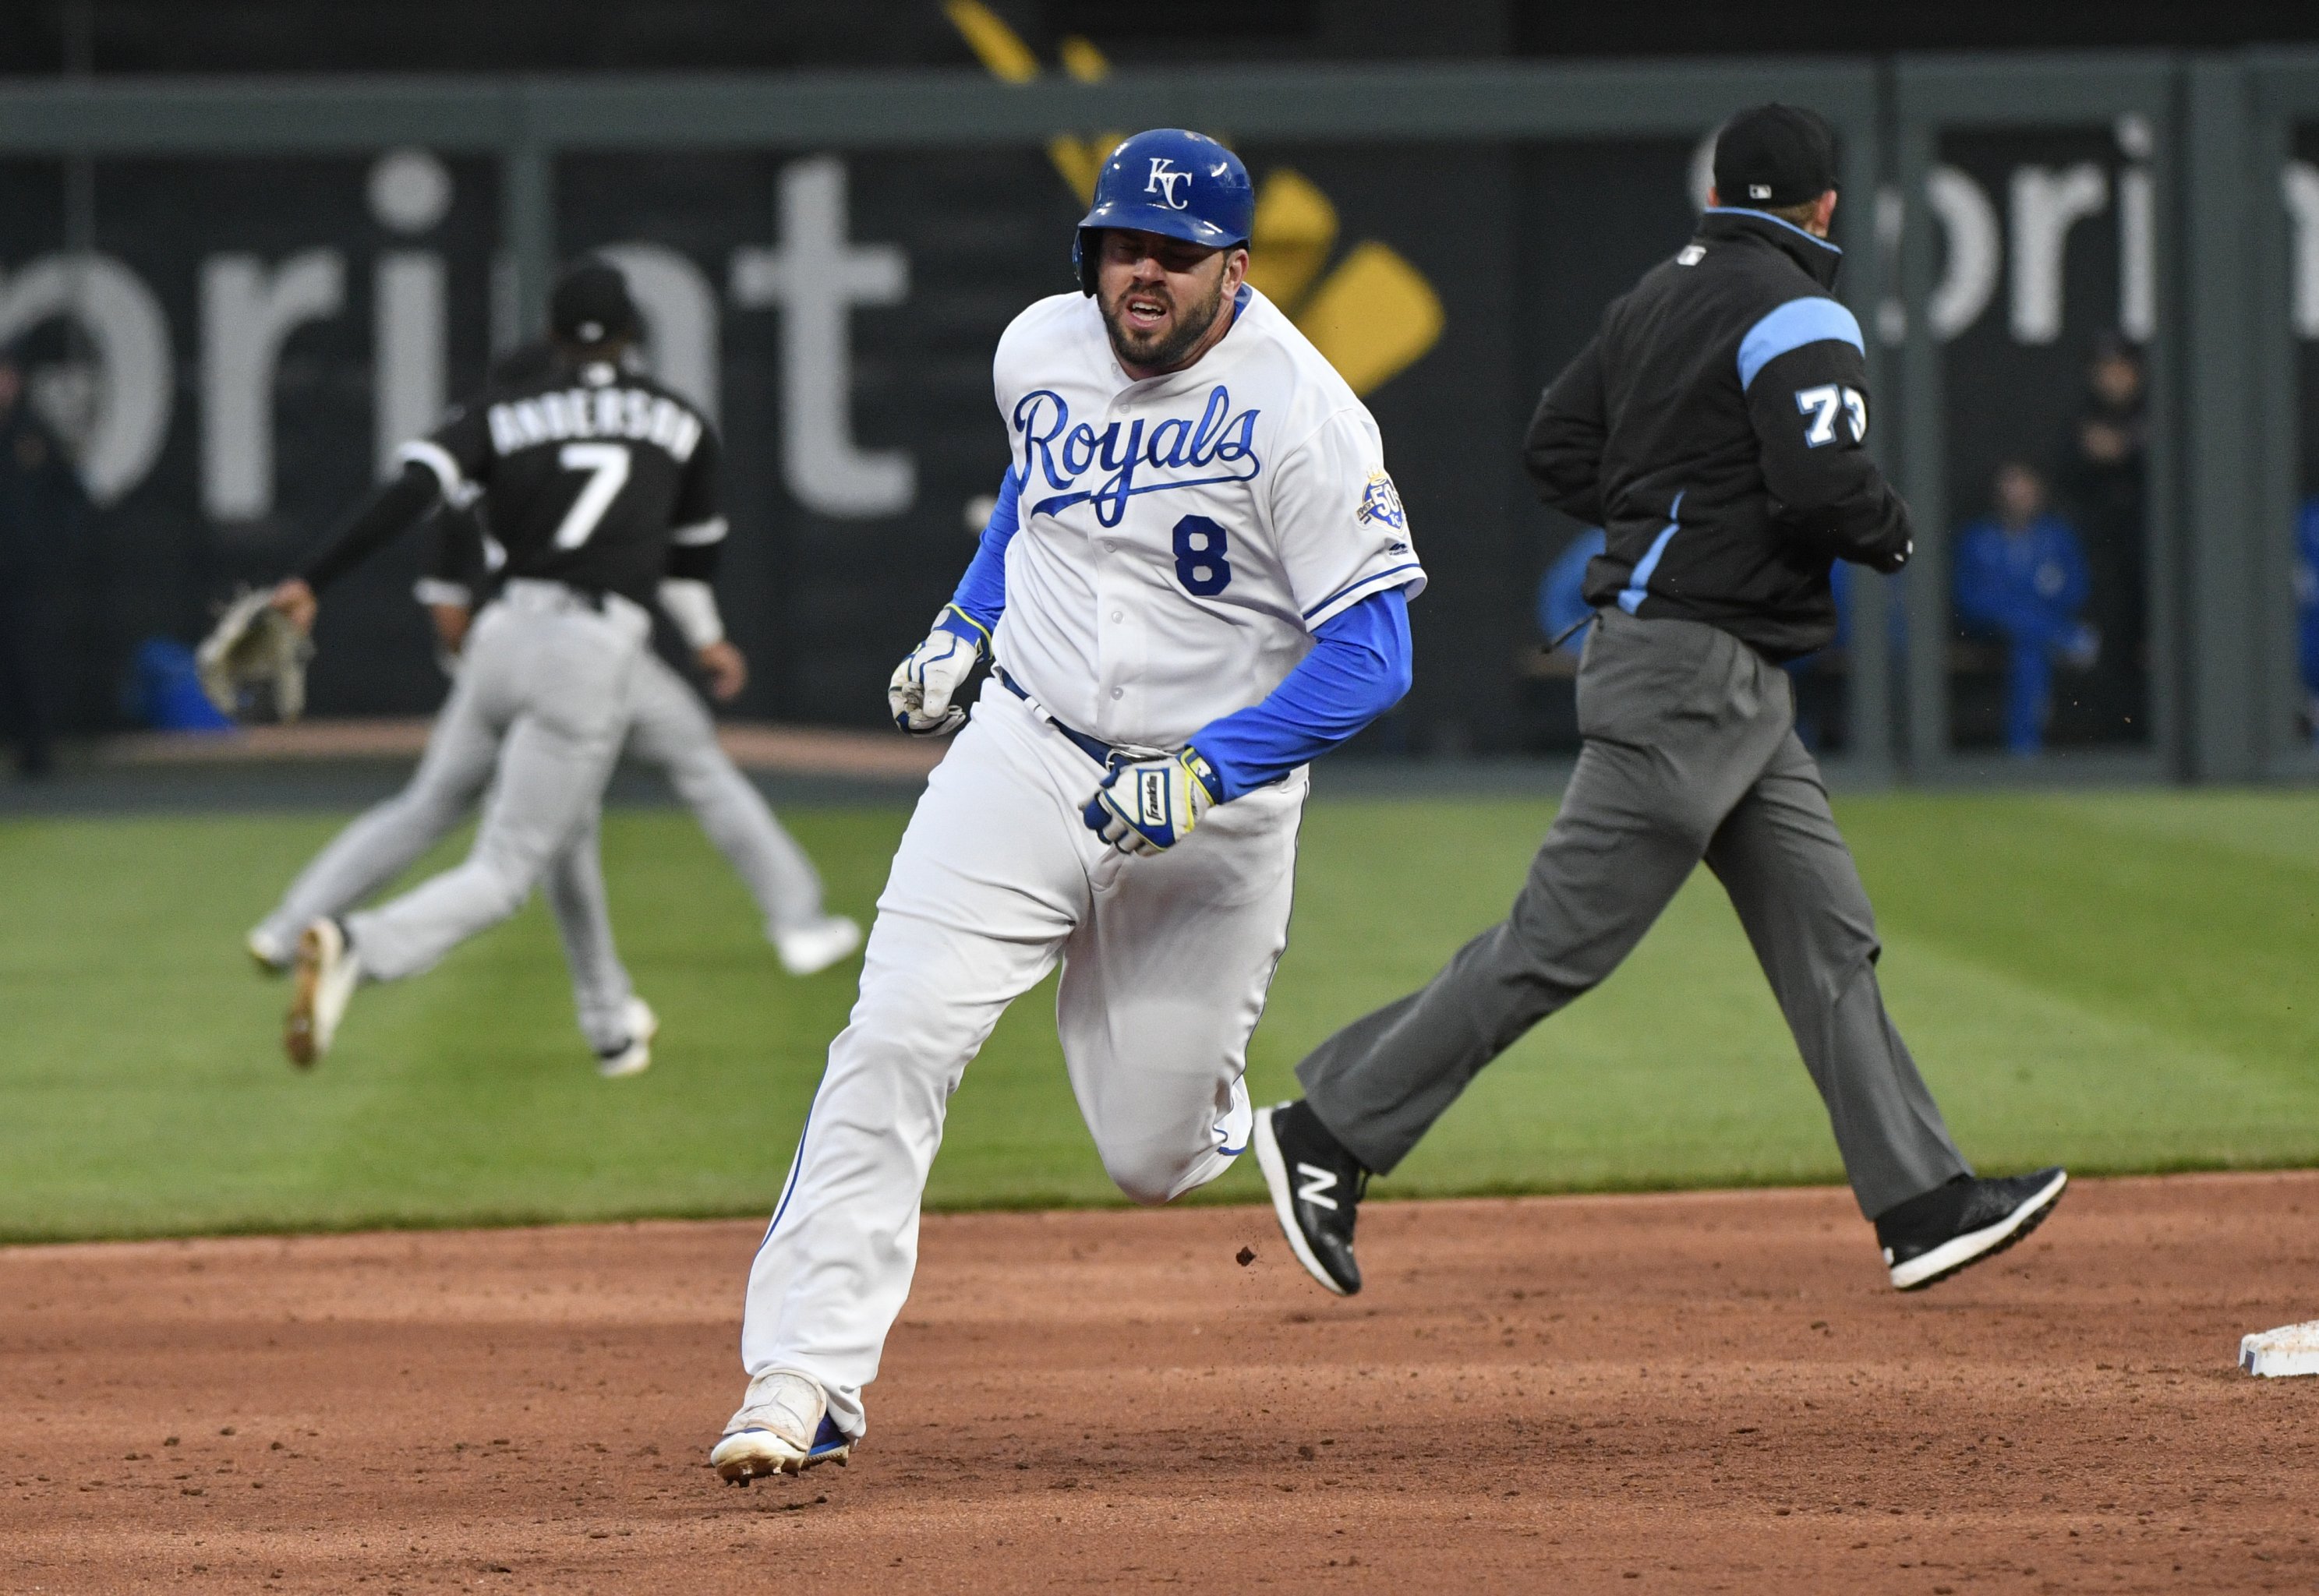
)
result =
(981, 595)
(1359, 667)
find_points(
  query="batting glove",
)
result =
(1154, 804)
(920, 693)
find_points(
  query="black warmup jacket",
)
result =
(1714, 429)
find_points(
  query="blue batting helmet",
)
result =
(1178, 185)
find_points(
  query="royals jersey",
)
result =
(1182, 536)
(591, 474)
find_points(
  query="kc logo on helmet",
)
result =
(1163, 181)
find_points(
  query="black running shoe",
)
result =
(1929, 1238)
(1316, 1191)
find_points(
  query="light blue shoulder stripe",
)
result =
(1808, 320)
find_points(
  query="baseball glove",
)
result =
(255, 652)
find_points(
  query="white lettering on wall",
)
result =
(680, 315)
(2047, 203)
(127, 416)
(816, 278)
(248, 312)
(409, 327)
(2299, 186)
(1969, 226)
(409, 192)
(2137, 255)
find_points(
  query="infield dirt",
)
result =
(1690, 1392)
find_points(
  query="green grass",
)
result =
(2124, 981)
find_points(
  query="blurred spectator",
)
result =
(2306, 609)
(2021, 578)
(1559, 604)
(2104, 480)
(41, 504)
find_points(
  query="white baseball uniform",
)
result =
(1181, 537)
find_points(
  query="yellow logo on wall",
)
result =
(1373, 315)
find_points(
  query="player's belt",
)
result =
(1095, 748)
(555, 588)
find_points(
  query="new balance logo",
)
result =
(1315, 1186)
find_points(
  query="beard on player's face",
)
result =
(1160, 296)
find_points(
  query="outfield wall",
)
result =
(233, 297)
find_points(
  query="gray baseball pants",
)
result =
(385, 840)
(1690, 754)
(668, 726)
(547, 670)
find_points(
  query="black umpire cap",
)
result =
(1774, 156)
(590, 305)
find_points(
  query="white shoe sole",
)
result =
(635, 1059)
(760, 1455)
(1275, 1167)
(754, 1454)
(636, 1056)
(325, 985)
(1950, 1256)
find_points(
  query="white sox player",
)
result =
(668, 727)
(1195, 580)
(602, 495)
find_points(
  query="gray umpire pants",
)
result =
(1690, 753)
(668, 727)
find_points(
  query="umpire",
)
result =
(1714, 430)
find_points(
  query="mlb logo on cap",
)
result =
(1776, 156)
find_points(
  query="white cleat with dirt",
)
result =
(327, 971)
(783, 1428)
(633, 1056)
(812, 949)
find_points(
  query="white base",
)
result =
(2291, 1349)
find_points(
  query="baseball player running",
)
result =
(1714, 429)
(602, 484)
(1194, 582)
(668, 728)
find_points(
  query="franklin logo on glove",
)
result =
(1165, 797)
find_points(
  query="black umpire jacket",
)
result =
(1714, 429)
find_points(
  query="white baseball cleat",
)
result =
(267, 952)
(633, 1056)
(783, 1428)
(327, 971)
(812, 949)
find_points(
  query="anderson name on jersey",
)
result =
(1182, 537)
(592, 474)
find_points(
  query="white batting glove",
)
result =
(1154, 804)
(920, 693)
